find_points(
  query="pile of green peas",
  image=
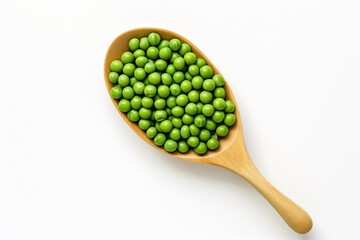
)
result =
(171, 94)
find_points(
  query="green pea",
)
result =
(141, 61)
(190, 58)
(200, 62)
(165, 53)
(218, 116)
(136, 103)
(144, 124)
(182, 100)
(163, 44)
(206, 72)
(134, 44)
(186, 86)
(139, 53)
(150, 91)
(160, 115)
(133, 81)
(171, 101)
(183, 147)
(212, 143)
(168, 111)
(175, 134)
(206, 97)
(139, 74)
(147, 102)
(139, 88)
(124, 105)
(113, 77)
(128, 92)
(177, 111)
(210, 125)
(123, 80)
(219, 104)
(204, 135)
(127, 57)
(188, 76)
(166, 126)
(193, 70)
(133, 115)
(166, 79)
(145, 113)
(201, 148)
(174, 56)
(154, 39)
(193, 96)
(154, 78)
(179, 63)
(194, 130)
(151, 132)
(209, 85)
(230, 106)
(185, 131)
(208, 110)
(199, 106)
(191, 109)
(164, 91)
(144, 43)
(157, 126)
(116, 92)
(187, 119)
(219, 92)
(160, 139)
(149, 67)
(178, 77)
(129, 69)
(160, 103)
(175, 89)
(170, 145)
(219, 80)
(116, 66)
(229, 119)
(152, 52)
(200, 120)
(193, 141)
(177, 123)
(175, 44)
(222, 130)
(170, 69)
(197, 82)
(160, 65)
(184, 49)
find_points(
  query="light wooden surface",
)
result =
(231, 154)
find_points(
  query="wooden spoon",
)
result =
(231, 154)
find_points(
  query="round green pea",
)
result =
(170, 145)
(144, 124)
(145, 113)
(113, 77)
(133, 81)
(175, 44)
(139, 74)
(127, 57)
(177, 111)
(136, 103)
(197, 82)
(222, 130)
(182, 100)
(129, 69)
(206, 71)
(144, 43)
(200, 62)
(186, 86)
(151, 132)
(179, 63)
(193, 96)
(150, 91)
(219, 104)
(160, 115)
(194, 130)
(175, 89)
(212, 143)
(185, 131)
(166, 126)
(116, 92)
(163, 44)
(201, 148)
(147, 102)
(210, 125)
(134, 44)
(185, 48)
(124, 105)
(154, 78)
(133, 115)
(193, 141)
(174, 56)
(190, 58)
(218, 116)
(160, 103)
(209, 85)
(141, 61)
(219, 92)
(187, 119)
(152, 52)
(170, 69)
(154, 39)
(219, 80)
(206, 97)
(149, 67)
(183, 147)
(164, 91)
(177, 123)
(178, 77)
(204, 135)
(188, 76)
(191, 109)
(166, 79)
(160, 65)
(139, 53)
(175, 134)
(171, 101)
(230, 106)
(193, 70)
(200, 120)
(116, 66)
(199, 106)
(128, 92)
(229, 119)
(160, 139)
(208, 110)
(165, 53)
(139, 88)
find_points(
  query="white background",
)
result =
(70, 168)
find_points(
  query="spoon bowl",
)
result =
(231, 154)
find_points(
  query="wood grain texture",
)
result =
(231, 154)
